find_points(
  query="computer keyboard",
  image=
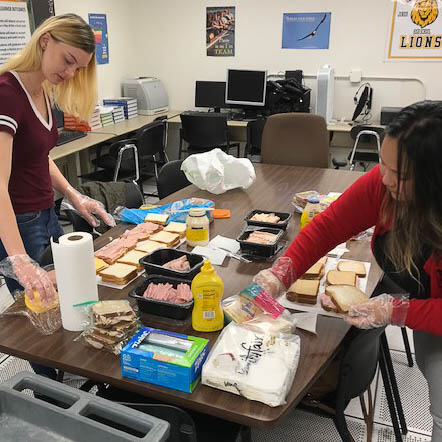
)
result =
(205, 114)
(65, 136)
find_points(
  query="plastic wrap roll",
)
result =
(76, 278)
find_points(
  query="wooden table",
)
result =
(273, 190)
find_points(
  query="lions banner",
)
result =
(416, 30)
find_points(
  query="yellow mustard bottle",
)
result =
(207, 290)
(310, 211)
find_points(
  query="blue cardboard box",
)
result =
(165, 358)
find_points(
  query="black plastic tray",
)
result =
(263, 250)
(153, 263)
(284, 217)
(161, 308)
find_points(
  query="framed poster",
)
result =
(220, 31)
(309, 30)
(416, 31)
(98, 24)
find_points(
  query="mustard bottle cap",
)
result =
(207, 267)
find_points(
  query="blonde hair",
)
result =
(78, 95)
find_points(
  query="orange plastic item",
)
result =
(221, 213)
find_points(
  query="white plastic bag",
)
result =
(218, 172)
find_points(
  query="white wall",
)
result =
(166, 39)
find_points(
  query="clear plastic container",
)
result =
(197, 227)
(311, 209)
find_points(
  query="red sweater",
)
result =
(358, 209)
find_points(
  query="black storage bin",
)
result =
(153, 263)
(161, 308)
(284, 219)
(264, 250)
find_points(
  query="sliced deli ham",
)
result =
(166, 292)
(180, 264)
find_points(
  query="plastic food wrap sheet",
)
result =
(257, 366)
(177, 211)
(46, 323)
(331, 264)
(109, 332)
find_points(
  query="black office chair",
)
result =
(255, 129)
(363, 133)
(171, 179)
(132, 159)
(205, 132)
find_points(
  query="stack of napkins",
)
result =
(255, 365)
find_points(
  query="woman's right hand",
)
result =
(32, 277)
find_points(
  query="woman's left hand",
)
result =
(88, 207)
(379, 311)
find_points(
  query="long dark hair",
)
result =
(417, 219)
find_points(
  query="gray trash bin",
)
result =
(79, 417)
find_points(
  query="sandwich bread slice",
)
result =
(133, 258)
(100, 264)
(304, 291)
(174, 227)
(338, 277)
(149, 246)
(316, 271)
(344, 296)
(353, 266)
(157, 218)
(168, 238)
(119, 273)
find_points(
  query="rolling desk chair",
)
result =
(296, 139)
(171, 179)
(203, 132)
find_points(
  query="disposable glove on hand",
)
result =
(379, 311)
(88, 207)
(276, 279)
(30, 275)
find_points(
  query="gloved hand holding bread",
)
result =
(88, 207)
(379, 311)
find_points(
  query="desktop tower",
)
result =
(325, 92)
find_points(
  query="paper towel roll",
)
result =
(76, 278)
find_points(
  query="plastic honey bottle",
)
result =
(207, 290)
(311, 209)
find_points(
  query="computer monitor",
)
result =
(246, 87)
(210, 94)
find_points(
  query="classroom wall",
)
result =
(167, 40)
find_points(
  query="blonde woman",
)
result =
(56, 66)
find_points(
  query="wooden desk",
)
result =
(273, 190)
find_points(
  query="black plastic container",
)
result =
(161, 308)
(153, 263)
(264, 250)
(284, 219)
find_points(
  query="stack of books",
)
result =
(129, 104)
(95, 122)
(106, 116)
(74, 123)
(118, 114)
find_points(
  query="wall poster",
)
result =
(416, 30)
(14, 28)
(220, 31)
(310, 30)
(98, 24)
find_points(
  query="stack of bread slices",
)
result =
(114, 323)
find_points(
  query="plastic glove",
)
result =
(31, 276)
(88, 207)
(380, 311)
(278, 278)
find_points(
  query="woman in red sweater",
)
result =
(402, 199)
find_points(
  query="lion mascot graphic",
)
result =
(424, 12)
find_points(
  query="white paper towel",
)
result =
(76, 279)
